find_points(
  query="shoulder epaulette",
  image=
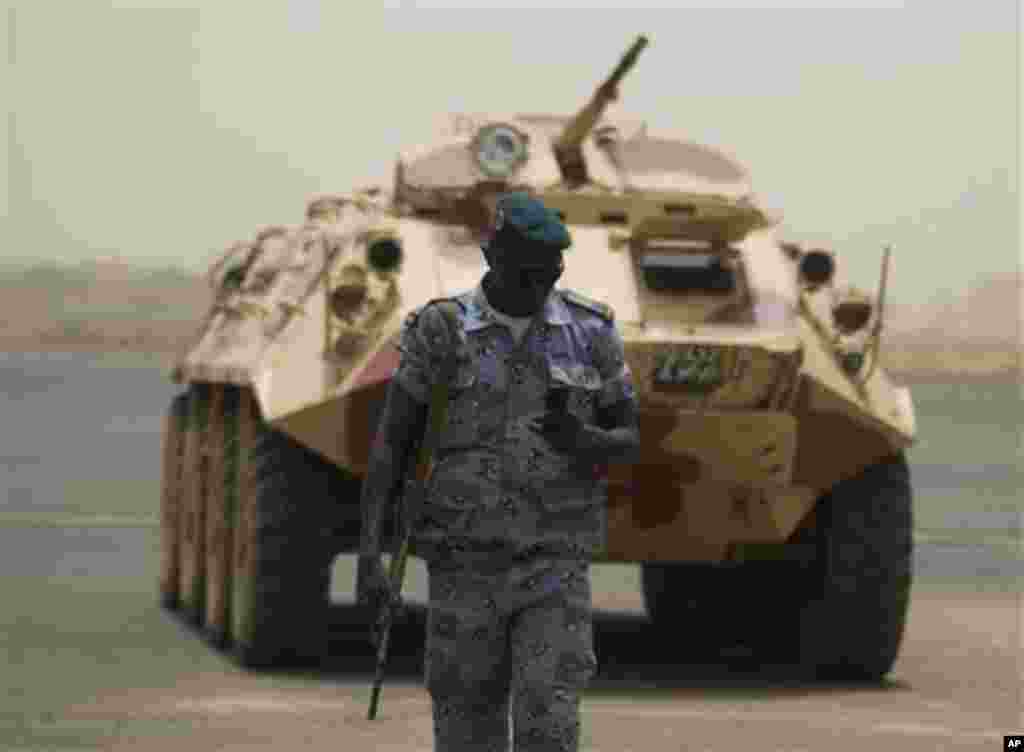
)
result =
(603, 310)
(452, 308)
(450, 299)
(414, 314)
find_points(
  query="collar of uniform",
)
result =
(480, 313)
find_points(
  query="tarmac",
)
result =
(91, 662)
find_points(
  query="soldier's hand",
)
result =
(560, 429)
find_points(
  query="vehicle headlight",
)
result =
(350, 291)
(851, 311)
(384, 252)
(499, 150)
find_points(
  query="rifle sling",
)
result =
(438, 408)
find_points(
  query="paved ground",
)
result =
(91, 663)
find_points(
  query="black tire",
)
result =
(852, 626)
(221, 497)
(193, 520)
(170, 501)
(284, 544)
(685, 600)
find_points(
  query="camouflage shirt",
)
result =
(498, 489)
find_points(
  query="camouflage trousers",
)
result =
(508, 654)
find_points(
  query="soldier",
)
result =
(515, 508)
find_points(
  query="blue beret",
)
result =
(523, 222)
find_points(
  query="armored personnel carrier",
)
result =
(772, 495)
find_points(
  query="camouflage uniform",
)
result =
(508, 524)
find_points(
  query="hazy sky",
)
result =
(164, 131)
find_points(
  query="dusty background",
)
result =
(116, 305)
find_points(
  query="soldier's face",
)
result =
(527, 282)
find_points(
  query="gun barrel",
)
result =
(882, 285)
(585, 120)
(567, 145)
(627, 62)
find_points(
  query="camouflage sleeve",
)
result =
(610, 359)
(424, 343)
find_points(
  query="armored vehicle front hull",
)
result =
(734, 462)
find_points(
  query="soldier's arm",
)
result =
(401, 424)
(423, 343)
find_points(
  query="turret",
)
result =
(568, 147)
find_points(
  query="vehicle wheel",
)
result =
(222, 436)
(685, 600)
(194, 487)
(283, 544)
(758, 605)
(171, 500)
(852, 627)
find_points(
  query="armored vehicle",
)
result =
(772, 495)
